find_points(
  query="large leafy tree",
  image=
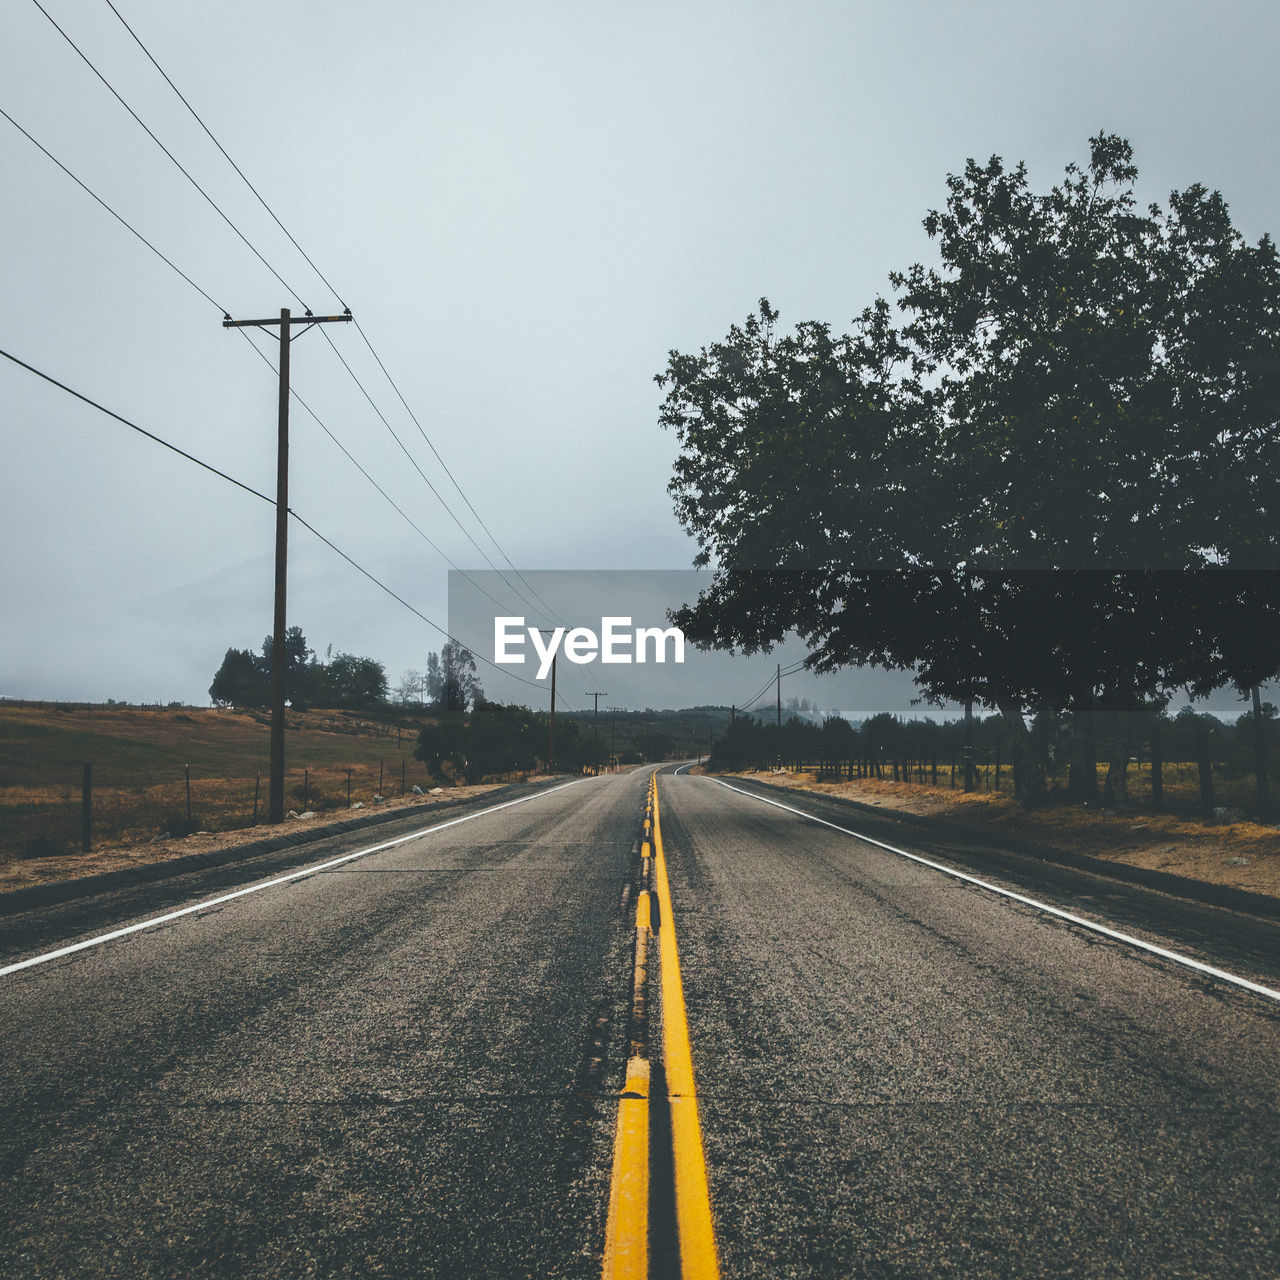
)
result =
(352, 681)
(240, 681)
(1080, 398)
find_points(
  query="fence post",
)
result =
(348, 788)
(379, 777)
(1157, 769)
(257, 788)
(188, 770)
(306, 789)
(86, 809)
(402, 786)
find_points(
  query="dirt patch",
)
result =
(1243, 855)
(121, 855)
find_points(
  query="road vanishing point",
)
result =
(646, 1024)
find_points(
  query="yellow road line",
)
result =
(698, 1259)
(626, 1238)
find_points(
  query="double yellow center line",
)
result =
(626, 1255)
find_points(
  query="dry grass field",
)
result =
(140, 758)
(1245, 855)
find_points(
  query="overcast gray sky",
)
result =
(526, 205)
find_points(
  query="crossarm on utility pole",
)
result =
(279, 663)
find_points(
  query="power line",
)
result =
(127, 226)
(173, 266)
(230, 161)
(190, 457)
(445, 466)
(418, 469)
(381, 365)
(356, 463)
(790, 671)
(212, 203)
(292, 292)
(239, 484)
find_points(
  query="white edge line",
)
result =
(46, 956)
(1092, 925)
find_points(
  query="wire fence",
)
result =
(1228, 792)
(50, 821)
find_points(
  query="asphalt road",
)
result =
(407, 1064)
(903, 1076)
(401, 1066)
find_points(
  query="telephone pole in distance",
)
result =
(278, 662)
(595, 735)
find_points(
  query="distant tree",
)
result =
(301, 671)
(452, 683)
(411, 688)
(240, 681)
(433, 680)
(351, 681)
(655, 745)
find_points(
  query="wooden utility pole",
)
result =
(551, 727)
(595, 735)
(275, 802)
(779, 715)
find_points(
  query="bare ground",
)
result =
(1244, 855)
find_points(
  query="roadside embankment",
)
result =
(38, 881)
(1238, 855)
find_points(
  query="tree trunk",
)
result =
(1029, 773)
(1260, 757)
(968, 745)
(1204, 765)
(1115, 790)
(1157, 768)
(1082, 784)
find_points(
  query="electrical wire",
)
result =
(445, 467)
(190, 457)
(213, 302)
(356, 463)
(419, 470)
(127, 226)
(229, 160)
(790, 671)
(212, 203)
(239, 484)
(367, 341)
(288, 288)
